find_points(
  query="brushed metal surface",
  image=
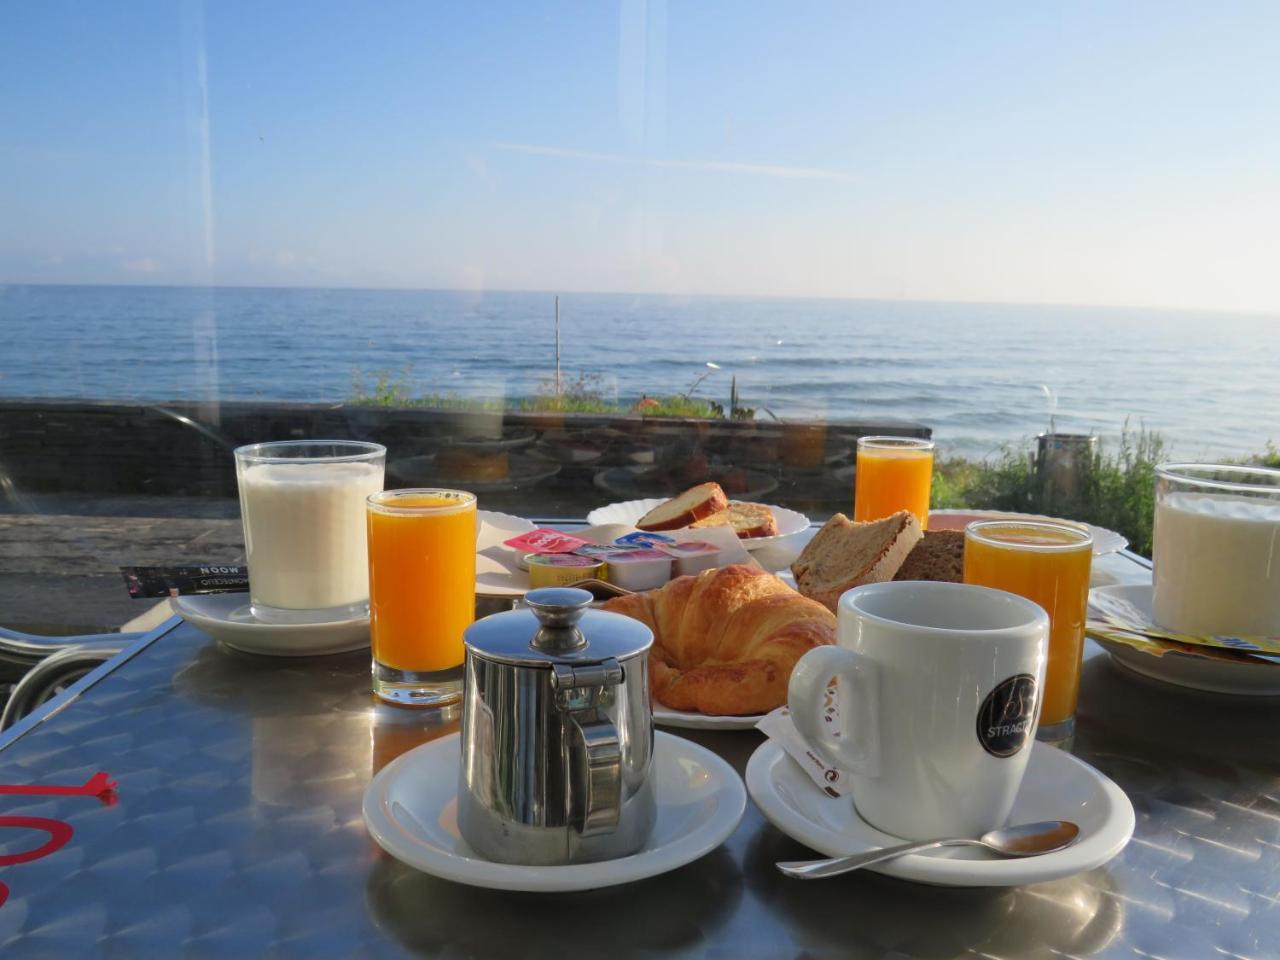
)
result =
(237, 833)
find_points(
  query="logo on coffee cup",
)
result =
(1008, 715)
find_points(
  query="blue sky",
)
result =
(1119, 153)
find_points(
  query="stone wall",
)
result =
(548, 464)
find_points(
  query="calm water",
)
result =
(980, 375)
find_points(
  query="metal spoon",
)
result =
(1027, 840)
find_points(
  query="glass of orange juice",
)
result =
(1047, 563)
(422, 592)
(892, 474)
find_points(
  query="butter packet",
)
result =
(779, 727)
(642, 539)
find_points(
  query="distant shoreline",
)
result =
(1262, 314)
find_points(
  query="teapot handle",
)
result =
(598, 778)
(595, 780)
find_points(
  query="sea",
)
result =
(984, 377)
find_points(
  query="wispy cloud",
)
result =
(142, 265)
(707, 166)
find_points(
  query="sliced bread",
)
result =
(938, 556)
(843, 555)
(747, 519)
(692, 505)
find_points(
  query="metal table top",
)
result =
(237, 832)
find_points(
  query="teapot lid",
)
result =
(556, 626)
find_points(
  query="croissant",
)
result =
(725, 640)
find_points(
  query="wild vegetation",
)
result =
(1115, 488)
(580, 393)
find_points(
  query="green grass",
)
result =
(1270, 458)
(1116, 488)
(579, 394)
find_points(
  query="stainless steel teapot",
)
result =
(557, 734)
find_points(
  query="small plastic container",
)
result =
(561, 569)
(602, 551)
(643, 538)
(692, 556)
(639, 569)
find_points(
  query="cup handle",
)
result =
(856, 748)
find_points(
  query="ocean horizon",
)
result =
(981, 375)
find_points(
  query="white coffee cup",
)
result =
(939, 698)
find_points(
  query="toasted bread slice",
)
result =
(938, 556)
(747, 519)
(692, 505)
(843, 555)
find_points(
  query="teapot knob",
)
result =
(558, 609)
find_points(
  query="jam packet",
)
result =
(544, 540)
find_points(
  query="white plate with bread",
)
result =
(664, 716)
(757, 524)
(1104, 541)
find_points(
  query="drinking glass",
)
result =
(422, 592)
(1217, 531)
(892, 474)
(1048, 563)
(302, 506)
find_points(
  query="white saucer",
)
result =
(1057, 786)
(1243, 678)
(497, 571)
(1210, 670)
(666, 717)
(410, 809)
(628, 512)
(227, 617)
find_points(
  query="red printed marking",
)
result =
(100, 785)
(59, 833)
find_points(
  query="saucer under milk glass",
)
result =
(229, 617)
(410, 809)
(1056, 786)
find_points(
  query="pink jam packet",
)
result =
(543, 540)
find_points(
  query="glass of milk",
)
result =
(1217, 550)
(302, 503)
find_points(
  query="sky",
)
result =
(1084, 152)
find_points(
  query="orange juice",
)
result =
(893, 473)
(422, 577)
(1048, 563)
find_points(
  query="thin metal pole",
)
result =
(558, 346)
